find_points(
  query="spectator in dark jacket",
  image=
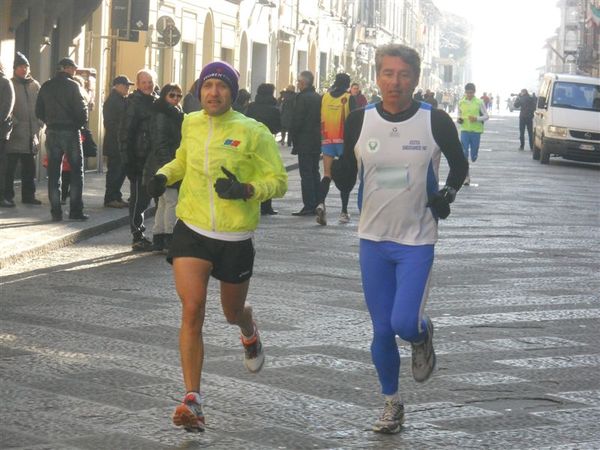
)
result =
(134, 146)
(165, 136)
(62, 107)
(113, 112)
(242, 101)
(264, 109)
(24, 140)
(191, 101)
(527, 104)
(305, 129)
(7, 103)
(287, 111)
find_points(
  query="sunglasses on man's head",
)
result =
(175, 95)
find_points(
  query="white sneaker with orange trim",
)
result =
(254, 355)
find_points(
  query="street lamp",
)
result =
(267, 3)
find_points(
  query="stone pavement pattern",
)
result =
(88, 340)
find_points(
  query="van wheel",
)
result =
(544, 154)
(536, 149)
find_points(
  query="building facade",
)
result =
(266, 40)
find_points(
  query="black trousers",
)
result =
(525, 122)
(2, 167)
(27, 176)
(115, 176)
(310, 178)
(138, 204)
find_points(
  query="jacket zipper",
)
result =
(207, 172)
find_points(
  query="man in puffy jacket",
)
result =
(61, 106)
(24, 139)
(134, 146)
(227, 164)
(527, 104)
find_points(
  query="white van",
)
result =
(567, 118)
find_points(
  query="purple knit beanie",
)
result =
(222, 71)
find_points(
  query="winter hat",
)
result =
(222, 71)
(20, 60)
(342, 81)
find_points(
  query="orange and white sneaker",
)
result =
(190, 414)
(254, 355)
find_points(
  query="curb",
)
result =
(80, 235)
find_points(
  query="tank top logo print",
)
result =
(373, 145)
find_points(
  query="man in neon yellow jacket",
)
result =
(227, 164)
(471, 115)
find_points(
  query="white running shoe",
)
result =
(254, 354)
(321, 214)
(391, 419)
(467, 181)
(344, 218)
(423, 356)
(190, 414)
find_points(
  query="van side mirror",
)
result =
(541, 103)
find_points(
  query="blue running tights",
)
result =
(395, 281)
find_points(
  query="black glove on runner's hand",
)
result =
(231, 189)
(440, 202)
(157, 185)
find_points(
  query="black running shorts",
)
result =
(232, 260)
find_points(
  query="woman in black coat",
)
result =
(165, 136)
(264, 109)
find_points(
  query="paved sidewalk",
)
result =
(27, 231)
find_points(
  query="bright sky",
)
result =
(508, 40)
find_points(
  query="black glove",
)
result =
(157, 185)
(231, 189)
(440, 202)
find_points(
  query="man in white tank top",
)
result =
(395, 148)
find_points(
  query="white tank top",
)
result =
(398, 165)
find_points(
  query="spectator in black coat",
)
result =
(7, 103)
(134, 146)
(242, 101)
(191, 100)
(113, 112)
(527, 104)
(286, 104)
(264, 109)
(165, 136)
(305, 129)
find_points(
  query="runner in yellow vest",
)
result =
(471, 115)
(336, 105)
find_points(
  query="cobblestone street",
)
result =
(88, 332)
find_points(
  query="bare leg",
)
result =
(233, 301)
(191, 280)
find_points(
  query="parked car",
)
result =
(567, 118)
